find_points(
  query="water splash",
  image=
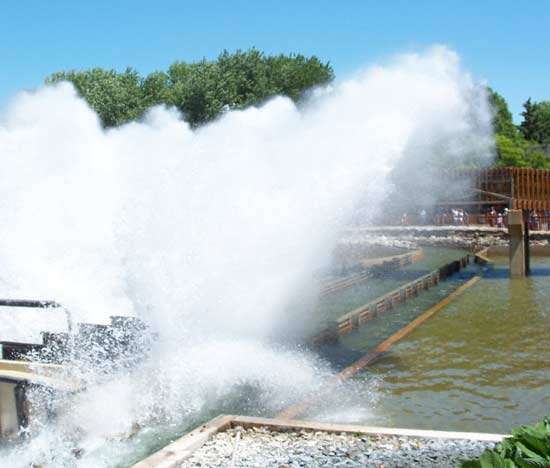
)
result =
(208, 235)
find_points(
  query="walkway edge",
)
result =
(285, 425)
(174, 454)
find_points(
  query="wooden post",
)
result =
(517, 244)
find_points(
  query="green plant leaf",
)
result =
(490, 459)
(532, 463)
(536, 440)
(470, 464)
(506, 448)
(527, 451)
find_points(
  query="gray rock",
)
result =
(261, 448)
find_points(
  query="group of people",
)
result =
(539, 220)
(454, 216)
(497, 218)
(460, 217)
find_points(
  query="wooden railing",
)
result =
(356, 318)
(374, 267)
(540, 222)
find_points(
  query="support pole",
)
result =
(518, 244)
(21, 407)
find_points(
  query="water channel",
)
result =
(481, 364)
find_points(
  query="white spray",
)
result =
(208, 234)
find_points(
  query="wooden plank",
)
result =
(366, 316)
(521, 184)
(314, 426)
(532, 192)
(175, 453)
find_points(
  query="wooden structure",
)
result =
(369, 268)
(177, 452)
(357, 317)
(430, 197)
(27, 366)
(517, 188)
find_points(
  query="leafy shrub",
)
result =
(529, 447)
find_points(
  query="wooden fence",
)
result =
(384, 265)
(515, 187)
(356, 318)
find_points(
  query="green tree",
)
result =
(246, 76)
(510, 153)
(537, 159)
(203, 90)
(116, 97)
(542, 118)
(502, 120)
(528, 125)
(521, 148)
(536, 121)
(519, 153)
(198, 90)
(155, 89)
(292, 74)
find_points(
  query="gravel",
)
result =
(263, 448)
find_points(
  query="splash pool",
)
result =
(481, 364)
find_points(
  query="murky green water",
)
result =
(481, 364)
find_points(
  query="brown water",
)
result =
(481, 364)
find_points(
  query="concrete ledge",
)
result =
(503, 251)
(175, 453)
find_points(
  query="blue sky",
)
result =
(504, 42)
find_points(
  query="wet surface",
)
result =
(481, 364)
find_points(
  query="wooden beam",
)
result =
(493, 194)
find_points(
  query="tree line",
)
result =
(524, 145)
(202, 90)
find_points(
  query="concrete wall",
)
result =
(502, 251)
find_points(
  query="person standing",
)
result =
(423, 216)
(492, 216)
